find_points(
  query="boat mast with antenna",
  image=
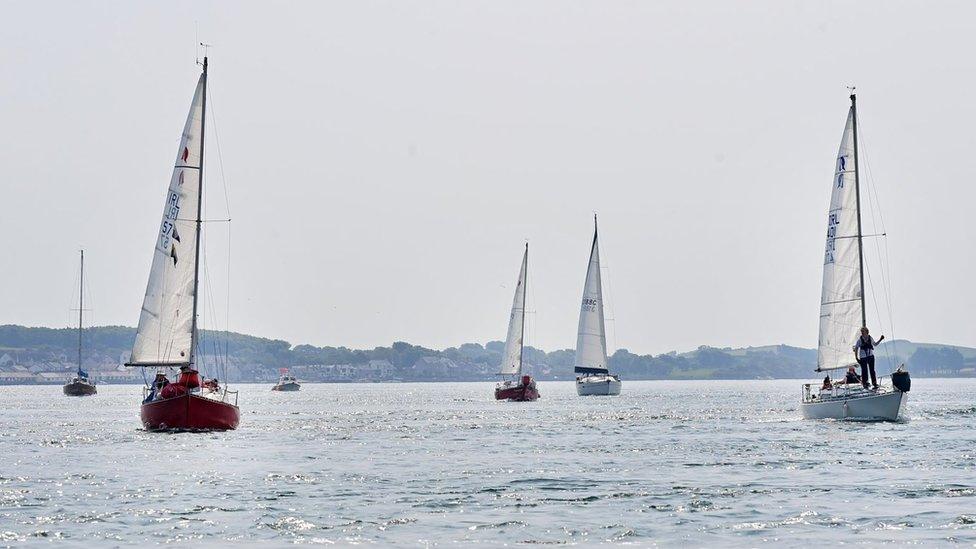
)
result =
(525, 290)
(81, 307)
(199, 221)
(857, 194)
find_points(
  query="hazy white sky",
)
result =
(386, 160)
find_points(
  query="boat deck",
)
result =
(841, 392)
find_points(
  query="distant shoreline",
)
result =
(270, 383)
(48, 356)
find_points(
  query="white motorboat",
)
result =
(842, 310)
(286, 382)
(592, 374)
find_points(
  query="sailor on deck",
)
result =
(864, 353)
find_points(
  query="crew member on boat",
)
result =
(864, 353)
(158, 384)
(827, 385)
(851, 378)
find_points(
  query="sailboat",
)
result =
(286, 381)
(842, 310)
(516, 387)
(80, 385)
(594, 377)
(167, 337)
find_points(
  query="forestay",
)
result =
(591, 341)
(840, 302)
(512, 357)
(165, 334)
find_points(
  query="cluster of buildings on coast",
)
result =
(56, 369)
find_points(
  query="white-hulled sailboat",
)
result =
(167, 337)
(842, 311)
(80, 385)
(593, 375)
(516, 387)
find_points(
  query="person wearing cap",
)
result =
(864, 353)
(157, 386)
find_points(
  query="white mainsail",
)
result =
(165, 334)
(512, 357)
(841, 300)
(591, 340)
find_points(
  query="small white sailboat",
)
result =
(516, 387)
(593, 375)
(842, 311)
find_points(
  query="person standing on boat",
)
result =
(864, 353)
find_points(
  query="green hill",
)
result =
(249, 358)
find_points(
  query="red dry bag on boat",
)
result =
(189, 379)
(173, 390)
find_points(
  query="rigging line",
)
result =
(862, 236)
(227, 310)
(220, 158)
(202, 338)
(223, 182)
(885, 259)
(210, 308)
(604, 264)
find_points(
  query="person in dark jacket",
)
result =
(864, 353)
(827, 385)
(852, 378)
(158, 384)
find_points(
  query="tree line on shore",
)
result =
(255, 358)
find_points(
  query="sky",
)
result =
(383, 163)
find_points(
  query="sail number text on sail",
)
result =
(832, 219)
(168, 229)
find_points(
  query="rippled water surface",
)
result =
(719, 462)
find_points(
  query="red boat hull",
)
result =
(519, 393)
(189, 412)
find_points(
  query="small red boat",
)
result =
(522, 390)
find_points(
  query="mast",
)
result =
(857, 193)
(525, 290)
(596, 230)
(81, 307)
(199, 221)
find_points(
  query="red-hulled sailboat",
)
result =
(167, 337)
(517, 387)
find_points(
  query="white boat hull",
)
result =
(598, 385)
(885, 406)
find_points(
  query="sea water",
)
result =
(693, 462)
